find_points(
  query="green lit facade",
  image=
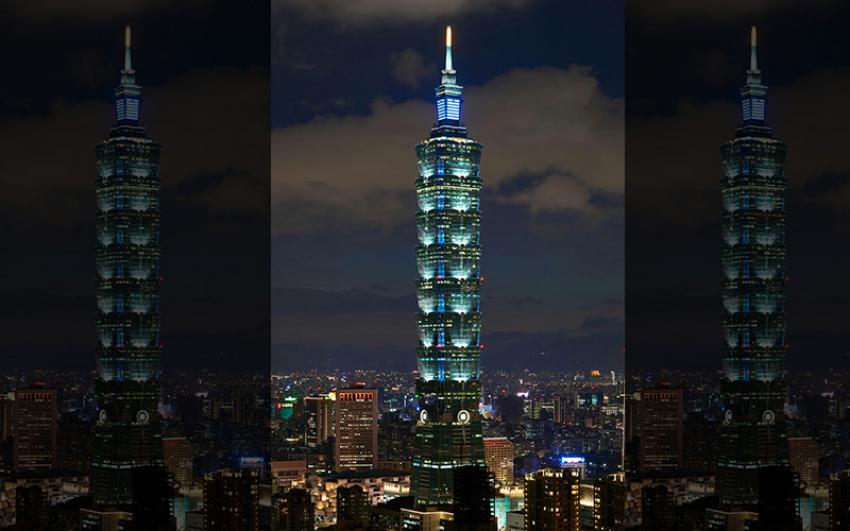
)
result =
(127, 431)
(753, 433)
(448, 429)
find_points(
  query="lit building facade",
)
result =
(127, 432)
(178, 455)
(36, 424)
(356, 429)
(659, 423)
(753, 434)
(804, 455)
(231, 500)
(319, 419)
(448, 430)
(552, 500)
(499, 457)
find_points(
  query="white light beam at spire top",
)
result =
(128, 63)
(448, 48)
(753, 57)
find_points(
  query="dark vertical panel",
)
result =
(685, 63)
(204, 72)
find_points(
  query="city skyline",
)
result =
(504, 265)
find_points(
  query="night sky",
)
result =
(685, 62)
(204, 71)
(352, 92)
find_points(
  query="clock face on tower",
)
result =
(768, 417)
(423, 416)
(142, 417)
(728, 415)
(102, 415)
(463, 416)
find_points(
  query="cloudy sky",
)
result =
(347, 98)
(352, 89)
(683, 70)
(204, 69)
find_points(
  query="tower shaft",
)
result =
(448, 430)
(754, 449)
(127, 433)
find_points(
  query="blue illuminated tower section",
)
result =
(127, 430)
(754, 450)
(448, 429)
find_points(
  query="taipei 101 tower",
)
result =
(448, 388)
(753, 469)
(127, 462)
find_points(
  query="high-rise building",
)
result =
(656, 429)
(231, 500)
(352, 507)
(127, 432)
(609, 502)
(839, 501)
(296, 511)
(448, 431)
(656, 507)
(754, 447)
(7, 441)
(178, 455)
(356, 428)
(499, 457)
(319, 428)
(552, 500)
(36, 419)
(6, 409)
(803, 453)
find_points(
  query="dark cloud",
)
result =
(512, 350)
(366, 326)
(319, 303)
(359, 12)
(48, 11)
(409, 67)
(673, 11)
(356, 187)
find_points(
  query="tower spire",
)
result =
(754, 65)
(449, 49)
(128, 61)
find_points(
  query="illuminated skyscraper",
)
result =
(36, 423)
(356, 429)
(499, 457)
(127, 433)
(231, 500)
(319, 419)
(754, 447)
(448, 430)
(552, 500)
(655, 429)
